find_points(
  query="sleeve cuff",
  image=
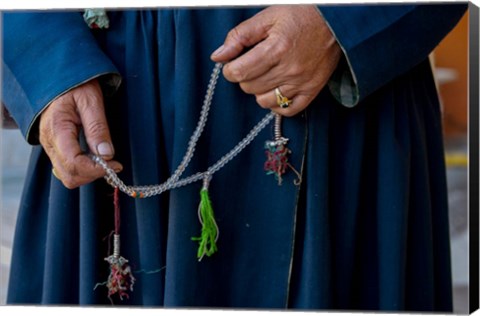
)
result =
(381, 43)
(36, 72)
(343, 83)
(110, 82)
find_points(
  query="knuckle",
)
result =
(296, 70)
(227, 74)
(70, 169)
(69, 185)
(70, 177)
(234, 73)
(96, 127)
(87, 96)
(247, 88)
(236, 35)
(276, 55)
(263, 103)
(280, 49)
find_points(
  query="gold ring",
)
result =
(282, 101)
(54, 172)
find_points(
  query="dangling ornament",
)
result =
(207, 241)
(121, 279)
(277, 154)
(277, 158)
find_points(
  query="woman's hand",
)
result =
(59, 131)
(292, 49)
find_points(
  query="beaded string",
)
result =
(174, 181)
(209, 233)
(120, 278)
(277, 154)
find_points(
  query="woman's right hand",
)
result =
(60, 123)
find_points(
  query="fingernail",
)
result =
(218, 51)
(105, 149)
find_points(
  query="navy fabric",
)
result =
(367, 228)
(45, 60)
(383, 36)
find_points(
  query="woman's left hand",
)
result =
(292, 49)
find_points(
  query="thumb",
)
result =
(90, 106)
(244, 35)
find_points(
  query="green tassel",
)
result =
(208, 238)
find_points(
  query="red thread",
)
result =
(116, 204)
(120, 280)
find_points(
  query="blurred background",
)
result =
(451, 69)
(451, 61)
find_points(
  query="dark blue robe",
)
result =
(366, 230)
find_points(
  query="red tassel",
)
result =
(277, 160)
(121, 278)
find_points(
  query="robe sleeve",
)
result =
(46, 54)
(381, 42)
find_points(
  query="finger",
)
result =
(256, 62)
(81, 176)
(67, 158)
(73, 167)
(279, 75)
(246, 34)
(92, 114)
(299, 103)
(72, 179)
(266, 84)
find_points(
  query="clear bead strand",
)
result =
(244, 143)
(174, 182)
(229, 156)
(201, 124)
